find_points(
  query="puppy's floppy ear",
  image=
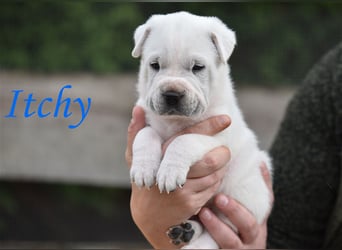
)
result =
(224, 40)
(140, 36)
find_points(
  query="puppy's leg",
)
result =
(205, 241)
(146, 157)
(183, 152)
(250, 190)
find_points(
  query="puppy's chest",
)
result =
(167, 127)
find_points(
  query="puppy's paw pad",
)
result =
(182, 233)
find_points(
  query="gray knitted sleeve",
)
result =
(307, 159)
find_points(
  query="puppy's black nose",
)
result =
(172, 98)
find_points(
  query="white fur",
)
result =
(178, 41)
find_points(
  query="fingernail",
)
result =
(131, 122)
(133, 116)
(263, 169)
(133, 110)
(222, 201)
(224, 120)
(206, 214)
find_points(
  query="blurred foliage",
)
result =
(8, 205)
(101, 199)
(277, 42)
(67, 36)
(7, 202)
(61, 212)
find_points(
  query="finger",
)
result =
(197, 185)
(136, 124)
(194, 200)
(266, 175)
(211, 162)
(196, 192)
(210, 126)
(268, 180)
(239, 216)
(224, 236)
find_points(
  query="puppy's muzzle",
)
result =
(172, 98)
(175, 97)
(173, 102)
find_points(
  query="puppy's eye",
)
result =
(197, 68)
(155, 65)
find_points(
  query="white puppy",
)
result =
(184, 79)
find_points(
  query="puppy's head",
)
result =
(181, 56)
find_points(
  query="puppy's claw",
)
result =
(169, 181)
(142, 177)
(169, 188)
(165, 189)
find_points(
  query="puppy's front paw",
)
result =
(142, 176)
(146, 157)
(170, 176)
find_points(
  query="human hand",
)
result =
(251, 235)
(170, 209)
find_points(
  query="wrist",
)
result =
(153, 231)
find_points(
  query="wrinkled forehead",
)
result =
(179, 41)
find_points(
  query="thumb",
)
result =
(136, 124)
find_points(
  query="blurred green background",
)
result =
(277, 42)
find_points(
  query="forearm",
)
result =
(153, 229)
(154, 213)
